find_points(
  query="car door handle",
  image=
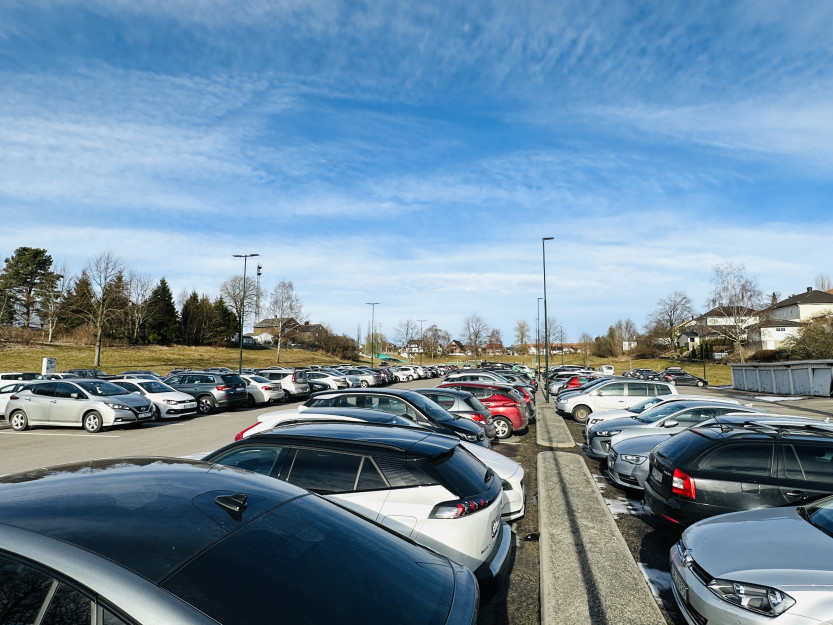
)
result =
(796, 493)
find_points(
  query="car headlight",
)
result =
(608, 432)
(760, 599)
(170, 402)
(115, 406)
(472, 438)
(633, 459)
(506, 485)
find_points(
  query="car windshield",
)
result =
(819, 514)
(663, 410)
(644, 405)
(429, 408)
(102, 389)
(152, 386)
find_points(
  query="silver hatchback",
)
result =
(89, 403)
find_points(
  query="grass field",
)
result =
(163, 359)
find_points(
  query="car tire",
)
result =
(205, 404)
(581, 413)
(700, 384)
(157, 413)
(503, 427)
(363, 383)
(19, 421)
(92, 422)
(250, 401)
(410, 378)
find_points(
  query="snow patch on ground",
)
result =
(659, 581)
(620, 505)
(774, 398)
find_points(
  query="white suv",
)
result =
(293, 381)
(609, 395)
(422, 485)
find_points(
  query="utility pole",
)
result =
(546, 321)
(421, 340)
(372, 328)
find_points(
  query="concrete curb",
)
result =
(551, 430)
(588, 575)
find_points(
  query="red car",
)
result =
(507, 405)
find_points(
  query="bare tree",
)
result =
(105, 296)
(586, 346)
(475, 333)
(823, 282)
(51, 295)
(405, 332)
(139, 288)
(521, 335)
(671, 311)
(286, 311)
(736, 298)
(620, 333)
(240, 293)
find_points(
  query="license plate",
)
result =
(679, 584)
(655, 475)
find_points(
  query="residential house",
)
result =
(456, 347)
(771, 333)
(804, 306)
(414, 346)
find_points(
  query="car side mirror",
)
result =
(670, 424)
(76, 396)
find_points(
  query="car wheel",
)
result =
(410, 378)
(580, 414)
(92, 422)
(503, 427)
(157, 413)
(700, 383)
(19, 421)
(363, 383)
(205, 404)
(672, 382)
(250, 401)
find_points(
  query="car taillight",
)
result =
(223, 388)
(239, 435)
(267, 388)
(477, 417)
(682, 484)
(293, 376)
(457, 509)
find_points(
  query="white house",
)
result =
(771, 334)
(804, 306)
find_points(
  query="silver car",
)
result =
(770, 565)
(332, 380)
(628, 459)
(89, 403)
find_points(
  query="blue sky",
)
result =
(414, 154)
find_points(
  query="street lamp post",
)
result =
(546, 323)
(372, 328)
(245, 258)
(421, 340)
(538, 340)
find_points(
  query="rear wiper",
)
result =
(802, 512)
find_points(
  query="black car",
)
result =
(682, 378)
(405, 403)
(177, 542)
(739, 462)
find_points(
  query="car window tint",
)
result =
(128, 386)
(369, 477)
(446, 401)
(324, 471)
(809, 462)
(260, 459)
(748, 459)
(475, 404)
(62, 389)
(174, 380)
(639, 389)
(26, 592)
(48, 390)
(462, 473)
(401, 473)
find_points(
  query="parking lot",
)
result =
(518, 600)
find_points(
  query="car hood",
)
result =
(636, 444)
(174, 395)
(615, 424)
(131, 399)
(731, 546)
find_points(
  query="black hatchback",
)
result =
(739, 462)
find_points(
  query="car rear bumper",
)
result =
(496, 566)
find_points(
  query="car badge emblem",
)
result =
(495, 525)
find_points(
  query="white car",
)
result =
(334, 380)
(610, 394)
(6, 391)
(406, 373)
(168, 403)
(510, 472)
(293, 381)
(263, 391)
(605, 415)
(422, 485)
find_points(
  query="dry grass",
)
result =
(156, 358)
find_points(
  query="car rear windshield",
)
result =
(232, 378)
(463, 474)
(682, 446)
(476, 405)
(429, 408)
(320, 564)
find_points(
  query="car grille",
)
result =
(629, 479)
(141, 409)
